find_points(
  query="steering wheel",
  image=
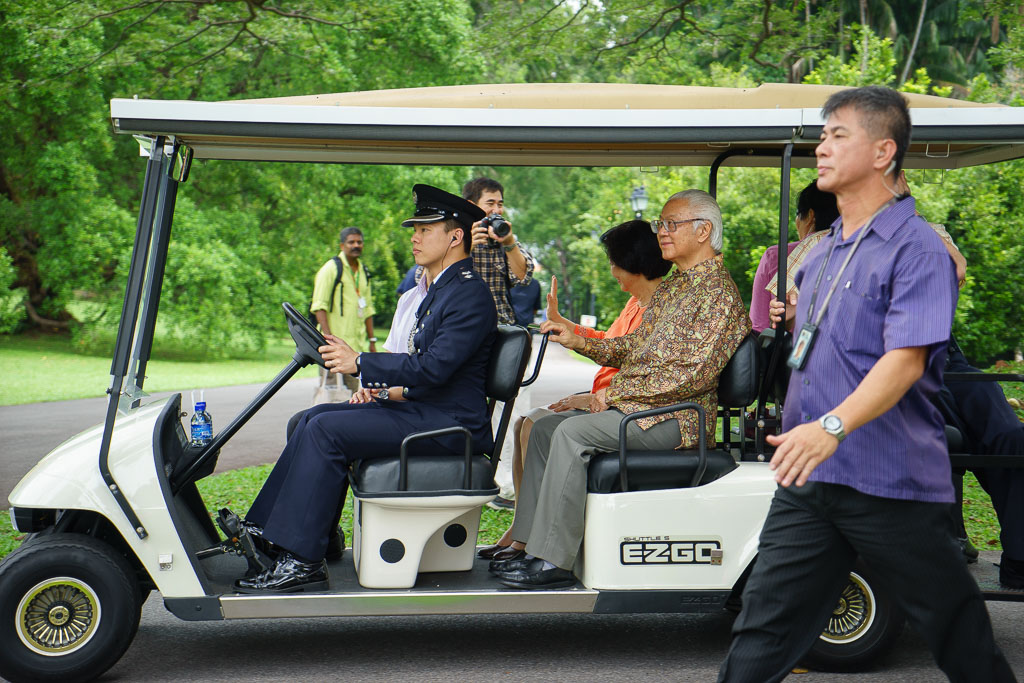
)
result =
(307, 338)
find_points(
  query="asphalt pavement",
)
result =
(425, 649)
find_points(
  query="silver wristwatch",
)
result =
(382, 394)
(833, 425)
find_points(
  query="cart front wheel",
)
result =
(863, 627)
(69, 609)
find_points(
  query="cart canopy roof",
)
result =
(557, 124)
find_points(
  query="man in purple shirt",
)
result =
(861, 463)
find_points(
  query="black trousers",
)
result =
(300, 503)
(808, 545)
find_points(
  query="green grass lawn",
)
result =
(39, 368)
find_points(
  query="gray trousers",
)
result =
(553, 497)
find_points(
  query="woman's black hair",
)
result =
(634, 248)
(824, 204)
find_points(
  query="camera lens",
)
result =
(498, 224)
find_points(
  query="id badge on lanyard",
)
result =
(802, 347)
(809, 330)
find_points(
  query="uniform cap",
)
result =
(434, 204)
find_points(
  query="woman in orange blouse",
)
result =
(636, 264)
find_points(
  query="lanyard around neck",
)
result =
(842, 268)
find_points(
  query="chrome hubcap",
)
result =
(854, 613)
(57, 616)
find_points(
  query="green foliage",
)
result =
(872, 63)
(12, 309)
(247, 237)
(69, 189)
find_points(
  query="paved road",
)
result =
(620, 648)
(29, 432)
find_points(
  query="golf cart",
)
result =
(114, 512)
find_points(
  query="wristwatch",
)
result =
(510, 247)
(833, 425)
(382, 394)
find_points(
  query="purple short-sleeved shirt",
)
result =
(898, 291)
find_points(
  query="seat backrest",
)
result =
(509, 357)
(738, 383)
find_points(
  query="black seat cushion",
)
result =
(654, 470)
(737, 383)
(429, 475)
(509, 355)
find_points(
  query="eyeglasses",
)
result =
(670, 226)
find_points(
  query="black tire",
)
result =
(72, 597)
(862, 629)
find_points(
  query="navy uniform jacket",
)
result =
(455, 329)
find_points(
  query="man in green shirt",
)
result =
(342, 301)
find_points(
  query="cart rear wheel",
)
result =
(69, 609)
(862, 628)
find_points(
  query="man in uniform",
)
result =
(439, 383)
(342, 301)
(862, 464)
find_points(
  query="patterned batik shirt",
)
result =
(490, 261)
(693, 324)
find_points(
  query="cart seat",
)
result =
(421, 513)
(428, 475)
(653, 470)
(672, 469)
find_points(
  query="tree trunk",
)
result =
(913, 44)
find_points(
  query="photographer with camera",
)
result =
(497, 256)
(502, 263)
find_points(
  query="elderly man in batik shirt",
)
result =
(694, 323)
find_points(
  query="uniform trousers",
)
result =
(808, 545)
(553, 497)
(300, 503)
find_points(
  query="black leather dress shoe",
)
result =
(511, 564)
(488, 551)
(533, 576)
(335, 546)
(288, 575)
(509, 553)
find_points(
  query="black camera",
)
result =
(496, 223)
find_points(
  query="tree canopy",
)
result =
(249, 236)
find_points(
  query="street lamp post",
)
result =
(638, 201)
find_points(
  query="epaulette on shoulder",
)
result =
(467, 275)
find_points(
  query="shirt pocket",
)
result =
(858, 315)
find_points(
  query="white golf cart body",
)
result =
(664, 550)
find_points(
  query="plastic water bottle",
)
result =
(202, 425)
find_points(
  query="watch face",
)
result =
(382, 394)
(832, 423)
